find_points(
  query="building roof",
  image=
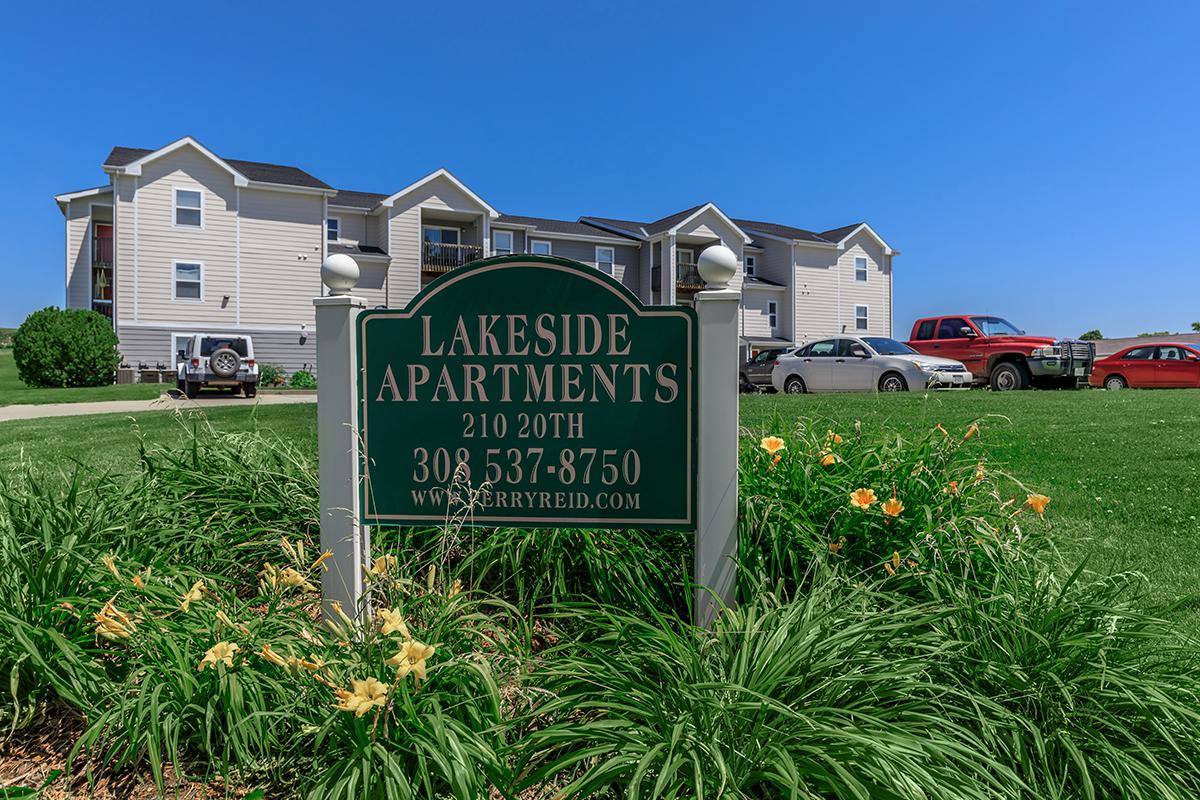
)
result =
(666, 223)
(366, 249)
(754, 280)
(253, 170)
(637, 229)
(782, 231)
(837, 234)
(554, 225)
(366, 200)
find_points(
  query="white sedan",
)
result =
(864, 364)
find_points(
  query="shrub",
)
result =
(271, 375)
(66, 347)
(303, 379)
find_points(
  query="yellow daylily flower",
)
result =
(862, 498)
(328, 554)
(362, 696)
(110, 562)
(290, 578)
(113, 624)
(384, 565)
(455, 588)
(219, 653)
(971, 431)
(411, 658)
(772, 444)
(193, 595)
(392, 621)
(893, 507)
(270, 655)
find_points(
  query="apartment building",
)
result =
(181, 240)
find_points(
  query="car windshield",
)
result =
(888, 347)
(210, 345)
(996, 326)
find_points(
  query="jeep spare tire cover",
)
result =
(224, 362)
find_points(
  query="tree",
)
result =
(1094, 335)
(66, 347)
(1155, 334)
(1196, 326)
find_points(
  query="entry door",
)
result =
(1138, 366)
(1173, 368)
(851, 372)
(816, 364)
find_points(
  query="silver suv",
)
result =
(209, 359)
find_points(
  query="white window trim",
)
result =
(866, 268)
(866, 316)
(751, 263)
(612, 261)
(512, 242)
(773, 315)
(175, 281)
(338, 220)
(458, 231)
(175, 190)
(549, 246)
(691, 259)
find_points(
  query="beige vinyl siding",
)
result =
(160, 243)
(711, 226)
(755, 322)
(152, 345)
(645, 268)
(79, 249)
(352, 228)
(816, 293)
(875, 293)
(625, 258)
(281, 237)
(126, 307)
(376, 227)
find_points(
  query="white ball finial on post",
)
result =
(340, 273)
(717, 265)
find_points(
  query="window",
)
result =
(502, 243)
(183, 344)
(751, 266)
(823, 349)
(773, 314)
(1139, 353)
(925, 329)
(604, 259)
(860, 318)
(683, 257)
(539, 247)
(996, 326)
(189, 208)
(1170, 354)
(849, 348)
(436, 235)
(188, 281)
(951, 328)
(333, 229)
(860, 269)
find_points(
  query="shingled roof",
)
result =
(253, 170)
(368, 200)
(554, 225)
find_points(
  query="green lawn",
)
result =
(1123, 468)
(13, 392)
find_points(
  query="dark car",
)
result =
(756, 373)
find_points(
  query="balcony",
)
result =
(438, 257)
(102, 251)
(687, 278)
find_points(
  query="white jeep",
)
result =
(209, 359)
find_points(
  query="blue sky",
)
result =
(1034, 160)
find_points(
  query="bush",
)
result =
(303, 379)
(271, 375)
(66, 347)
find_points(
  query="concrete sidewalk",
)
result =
(163, 403)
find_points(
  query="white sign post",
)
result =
(337, 437)
(342, 531)
(717, 489)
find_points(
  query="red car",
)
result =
(1155, 365)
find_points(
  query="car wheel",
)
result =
(224, 362)
(181, 384)
(1115, 382)
(794, 385)
(249, 389)
(745, 386)
(1009, 377)
(191, 390)
(893, 382)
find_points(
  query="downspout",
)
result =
(136, 181)
(237, 255)
(792, 290)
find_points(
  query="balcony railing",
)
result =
(687, 278)
(102, 251)
(437, 257)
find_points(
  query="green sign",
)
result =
(542, 380)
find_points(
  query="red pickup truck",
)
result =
(996, 351)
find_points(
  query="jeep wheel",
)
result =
(893, 382)
(191, 389)
(744, 385)
(1009, 377)
(181, 385)
(249, 389)
(1114, 383)
(224, 362)
(794, 385)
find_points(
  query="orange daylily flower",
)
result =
(971, 431)
(862, 498)
(834, 547)
(1038, 502)
(893, 507)
(952, 489)
(772, 444)
(979, 472)
(945, 432)
(828, 459)
(833, 437)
